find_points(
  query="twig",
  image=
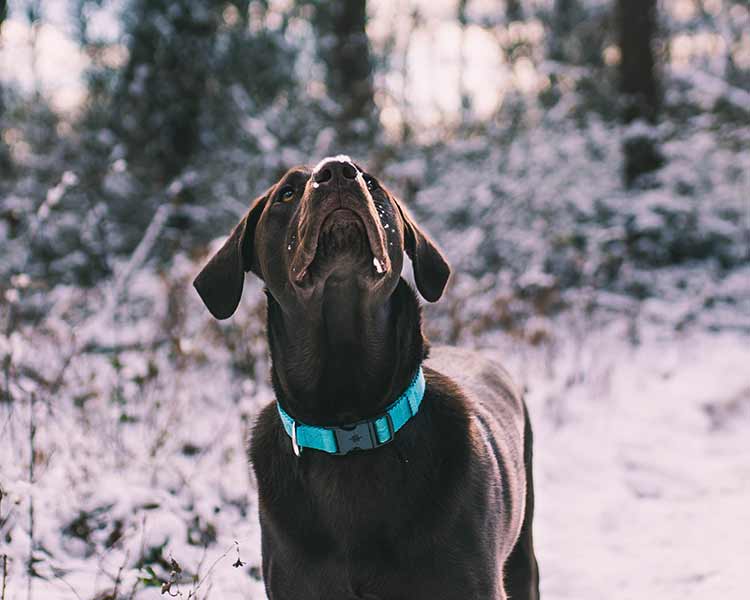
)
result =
(119, 576)
(4, 519)
(7, 361)
(72, 589)
(32, 457)
(94, 348)
(210, 589)
(133, 590)
(60, 378)
(5, 575)
(140, 254)
(140, 558)
(210, 570)
(93, 325)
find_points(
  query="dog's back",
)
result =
(504, 430)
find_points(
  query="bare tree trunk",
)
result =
(5, 162)
(463, 93)
(3, 14)
(638, 79)
(159, 98)
(563, 22)
(344, 49)
(513, 10)
(639, 87)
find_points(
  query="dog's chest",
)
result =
(366, 498)
(373, 531)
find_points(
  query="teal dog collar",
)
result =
(363, 435)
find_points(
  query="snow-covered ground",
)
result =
(624, 314)
(643, 469)
(642, 455)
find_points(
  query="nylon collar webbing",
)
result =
(362, 435)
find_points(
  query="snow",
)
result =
(625, 314)
(637, 493)
(640, 449)
(337, 158)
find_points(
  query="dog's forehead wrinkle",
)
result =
(295, 176)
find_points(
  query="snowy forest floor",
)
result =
(643, 478)
(625, 315)
(641, 458)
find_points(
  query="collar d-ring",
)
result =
(295, 445)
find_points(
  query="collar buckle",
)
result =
(360, 436)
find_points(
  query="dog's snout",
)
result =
(348, 171)
(323, 176)
(335, 170)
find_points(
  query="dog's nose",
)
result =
(333, 171)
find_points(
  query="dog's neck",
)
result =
(347, 360)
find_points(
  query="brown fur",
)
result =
(442, 512)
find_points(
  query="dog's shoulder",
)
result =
(481, 378)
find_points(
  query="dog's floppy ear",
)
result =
(221, 280)
(431, 270)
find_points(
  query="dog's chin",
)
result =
(343, 254)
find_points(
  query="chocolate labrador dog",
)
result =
(382, 474)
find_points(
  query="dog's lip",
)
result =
(347, 213)
(375, 236)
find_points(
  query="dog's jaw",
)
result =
(316, 226)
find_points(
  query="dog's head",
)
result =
(314, 227)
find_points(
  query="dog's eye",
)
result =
(286, 193)
(372, 185)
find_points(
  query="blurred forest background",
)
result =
(585, 164)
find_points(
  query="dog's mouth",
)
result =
(342, 235)
(343, 240)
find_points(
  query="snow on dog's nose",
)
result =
(333, 169)
(337, 183)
